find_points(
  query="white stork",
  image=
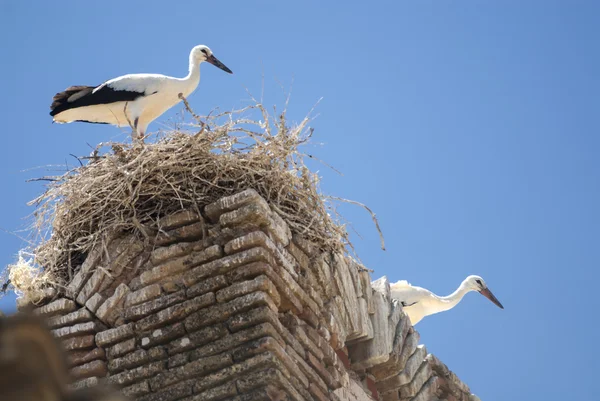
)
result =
(130, 100)
(418, 302)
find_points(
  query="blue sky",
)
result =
(470, 128)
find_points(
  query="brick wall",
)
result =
(230, 305)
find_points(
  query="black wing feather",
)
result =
(80, 96)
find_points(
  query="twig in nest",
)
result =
(196, 116)
(381, 240)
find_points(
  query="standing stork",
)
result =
(130, 100)
(418, 302)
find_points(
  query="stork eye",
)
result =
(204, 51)
(478, 282)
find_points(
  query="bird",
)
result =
(419, 302)
(133, 100)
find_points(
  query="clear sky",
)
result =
(470, 127)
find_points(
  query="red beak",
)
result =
(488, 294)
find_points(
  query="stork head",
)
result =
(476, 283)
(202, 53)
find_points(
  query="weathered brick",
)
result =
(188, 233)
(75, 358)
(289, 301)
(228, 203)
(136, 389)
(129, 361)
(269, 344)
(113, 336)
(163, 335)
(310, 373)
(234, 340)
(76, 330)
(178, 219)
(121, 348)
(171, 393)
(255, 363)
(259, 315)
(79, 316)
(322, 371)
(58, 307)
(256, 213)
(260, 283)
(141, 372)
(107, 312)
(91, 286)
(267, 377)
(226, 264)
(76, 343)
(423, 374)
(178, 265)
(95, 368)
(211, 284)
(262, 240)
(175, 313)
(177, 360)
(197, 339)
(221, 312)
(162, 254)
(84, 383)
(224, 391)
(94, 302)
(142, 295)
(139, 311)
(198, 367)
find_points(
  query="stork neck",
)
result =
(193, 76)
(450, 301)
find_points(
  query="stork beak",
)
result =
(215, 61)
(488, 294)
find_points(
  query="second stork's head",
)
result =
(202, 53)
(476, 283)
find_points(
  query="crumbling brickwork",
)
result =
(228, 304)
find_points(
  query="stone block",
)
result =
(221, 312)
(175, 313)
(78, 329)
(79, 316)
(260, 283)
(95, 368)
(289, 301)
(225, 264)
(136, 389)
(196, 368)
(94, 302)
(61, 306)
(109, 311)
(179, 219)
(139, 311)
(163, 335)
(115, 335)
(121, 348)
(229, 203)
(210, 284)
(180, 264)
(192, 232)
(91, 286)
(142, 295)
(75, 358)
(142, 372)
(197, 339)
(78, 343)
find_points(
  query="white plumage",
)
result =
(130, 100)
(419, 302)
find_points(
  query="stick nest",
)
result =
(129, 187)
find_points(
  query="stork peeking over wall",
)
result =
(130, 100)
